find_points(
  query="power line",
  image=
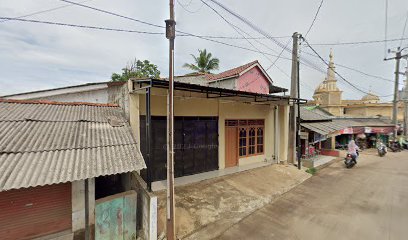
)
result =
(403, 31)
(114, 14)
(314, 19)
(136, 31)
(356, 70)
(253, 26)
(233, 37)
(239, 30)
(345, 80)
(357, 42)
(80, 26)
(45, 11)
(186, 9)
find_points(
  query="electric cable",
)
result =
(314, 19)
(341, 77)
(80, 26)
(45, 11)
(403, 31)
(358, 42)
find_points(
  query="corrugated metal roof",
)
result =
(324, 128)
(364, 122)
(54, 143)
(54, 112)
(312, 114)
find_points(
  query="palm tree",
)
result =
(204, 63)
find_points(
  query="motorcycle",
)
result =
(350, 161)
(395, 146)
(382, 150)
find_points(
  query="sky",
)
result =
(37, 56)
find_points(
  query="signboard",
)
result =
(347, 131)
(304, 135)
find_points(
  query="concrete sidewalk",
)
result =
(206, 209)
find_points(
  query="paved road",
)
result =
(369, 201)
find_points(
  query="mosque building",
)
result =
(329, 97)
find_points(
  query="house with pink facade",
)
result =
(250, 77)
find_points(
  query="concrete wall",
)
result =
(253, 81)
(94, 96)
(227, 83)
(373, 110)
(193, 104)
(146, 209)
(283, 112)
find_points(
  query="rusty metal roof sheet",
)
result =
(54, 143)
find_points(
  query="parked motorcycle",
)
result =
(395, 146)
(350, 161)
(382, 149)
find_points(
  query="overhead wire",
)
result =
(242, 32)
(45, 11)
(113, 14)
(208, 38)
(81, 26)
(354, 69)
(403, 31)
(315, 17)
(341, 77)
(358, 42)
(188, 10)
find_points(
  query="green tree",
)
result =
(204, 62)
(137, 69)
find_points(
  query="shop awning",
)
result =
(324, 128)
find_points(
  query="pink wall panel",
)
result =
(253, 81)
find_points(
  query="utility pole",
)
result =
(298, 143)
(171, 35)
(405, 98)
(395, 102)
(398, 56)
(293, 95)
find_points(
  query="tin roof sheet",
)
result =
(45, 143)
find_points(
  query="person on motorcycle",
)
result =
(353, 149)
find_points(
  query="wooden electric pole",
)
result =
(294, 95)
(171, 35)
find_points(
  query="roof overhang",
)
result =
(213, 92)
(62, 90)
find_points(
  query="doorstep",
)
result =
(180, 181)
(318, 161)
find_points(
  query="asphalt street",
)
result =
(369, 201)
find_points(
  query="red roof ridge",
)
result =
(231, 72)
(58, 103)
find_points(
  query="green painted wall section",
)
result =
(116, 217)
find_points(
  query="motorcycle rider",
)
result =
(352, 150)
(381, 147)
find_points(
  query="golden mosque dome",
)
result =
(370, 97)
